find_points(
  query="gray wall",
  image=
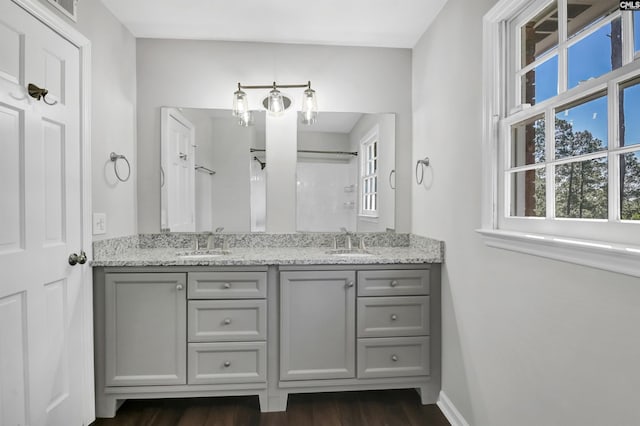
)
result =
(204, 74)
(527, 341)
(113, 114)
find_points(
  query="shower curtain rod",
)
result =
(311, 151)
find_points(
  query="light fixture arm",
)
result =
(276, 86)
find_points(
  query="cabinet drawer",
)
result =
(393, 357)
(217, 363)
(393, 316)
(402, 282)
(227, 285)
(227, 320)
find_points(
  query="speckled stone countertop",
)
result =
(266, 249)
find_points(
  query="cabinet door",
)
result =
(317, 325)
(145, 328)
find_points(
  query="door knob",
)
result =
(75, 258)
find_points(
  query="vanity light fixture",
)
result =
(276, 103)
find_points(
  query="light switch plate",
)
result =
(99, 223)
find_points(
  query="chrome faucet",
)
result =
(347, 238)
(211, 243)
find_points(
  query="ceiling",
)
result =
(380, 23)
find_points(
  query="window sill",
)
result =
(365, 218)
(612, 257)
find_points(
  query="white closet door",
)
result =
(41, 294)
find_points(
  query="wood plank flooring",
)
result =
(374, 408)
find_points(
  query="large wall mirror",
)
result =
(214, 171)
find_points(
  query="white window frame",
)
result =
(369, 139)
(586, 242)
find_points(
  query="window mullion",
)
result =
(550, 155)
(628, 49)
(614, 159)
(562, 46)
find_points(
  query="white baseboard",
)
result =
(450, 411)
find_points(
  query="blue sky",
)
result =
(591, 58)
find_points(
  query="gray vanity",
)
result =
(276, 314)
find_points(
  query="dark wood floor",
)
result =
(377, 408)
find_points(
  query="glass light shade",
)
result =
(240, 103)
(309, 107)
(276, 103)
(246, 119)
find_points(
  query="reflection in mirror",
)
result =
(345, 173)
(210, 178)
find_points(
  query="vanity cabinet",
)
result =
(357, 327)
(203, 331)
(179, 332)
(317, 317)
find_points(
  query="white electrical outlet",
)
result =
(99, 223)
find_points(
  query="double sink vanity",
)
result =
(266, 315)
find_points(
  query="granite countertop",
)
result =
(157, 250)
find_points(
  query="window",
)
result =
(369, 174)
(562, 97)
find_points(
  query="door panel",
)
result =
(42, 378)
(56, 318)
(11, 172)
(54, 174)
(53, 76)
(13, 352)
(11, 43)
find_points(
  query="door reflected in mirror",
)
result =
(211, 179)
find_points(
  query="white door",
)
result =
(42, 356)
(178, 163)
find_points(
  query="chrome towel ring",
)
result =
(421, 164)
(115, 157)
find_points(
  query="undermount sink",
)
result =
(354, 252)
(202, 254)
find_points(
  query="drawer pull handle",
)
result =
(350, 284)
(227, 285)
(227, 363)
(394, 358)
(394, 283)
(179, 287)
(227, 321)
(394, 317)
